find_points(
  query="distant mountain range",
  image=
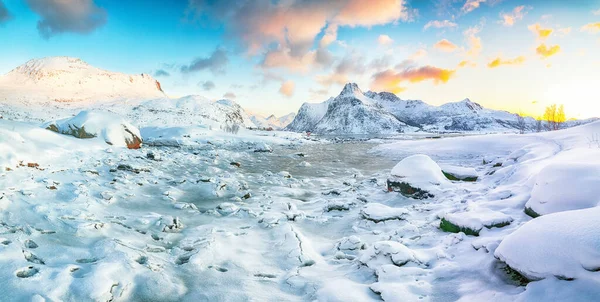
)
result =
(56, 87)
(356, 112)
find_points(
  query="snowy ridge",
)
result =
(388, 113)
(67, 79)
(272, 121)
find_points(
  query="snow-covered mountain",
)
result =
(271, 121)
(67, 80)
(355, 112)
(58, 87)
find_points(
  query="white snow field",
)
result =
(204, 215)
(205, 211)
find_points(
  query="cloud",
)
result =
(283, 58)
(4, 13)
(229, 95)
(294, 24)
(471, 5)
(329, 36)
(473, 40)
(287, 88)
(596, 12)
(216, 63)
(381, 63)
(161, 73)
(385, 40)
(421, 53)
(564, 31)
(466, 63)
(207, 85)
(509, 19)
(591, 27)
(541, 33)
(440, 24)
(546, 51)
(390, 80)
(445, 46)
(351, 64)
(498, 62)
(61, 16)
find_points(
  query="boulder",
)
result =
(418, 177)
(564, 187)
(110, 127)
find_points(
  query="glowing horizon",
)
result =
(272, 56)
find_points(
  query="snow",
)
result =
(577, 185)
(420, 171)
(476, 219)
(378, 212)
(109, 127)
(460, 172)
(68, 80)
(564, 245)
(197, 215)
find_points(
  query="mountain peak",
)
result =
(351, 89)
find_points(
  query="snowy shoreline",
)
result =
(274, 216)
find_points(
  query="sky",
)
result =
(273, 55)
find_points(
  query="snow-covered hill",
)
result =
(67, 80)
(355, 112)
(52, 88)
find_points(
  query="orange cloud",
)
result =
(390, 81)
(421, 53)
(498, 61)
(445, 46)
(541, 33)
(385, 40)
(294, 24)
(591, 27)
(439, 24)
(509, 19)
(546, 51)
(369, 13)
(287, 88)
(466, 63)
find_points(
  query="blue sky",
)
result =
(272, 55)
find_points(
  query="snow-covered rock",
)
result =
(459, 173)
(473, 221)
(417, 176)
(564, 187)
(377, 212)
(564, 245)
(113, 129)
(387, 252)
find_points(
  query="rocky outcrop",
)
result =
(113, 129)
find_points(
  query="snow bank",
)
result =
(421, 174)
(565, 245)
(26, 143)
(113, 129)
(565, 186)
